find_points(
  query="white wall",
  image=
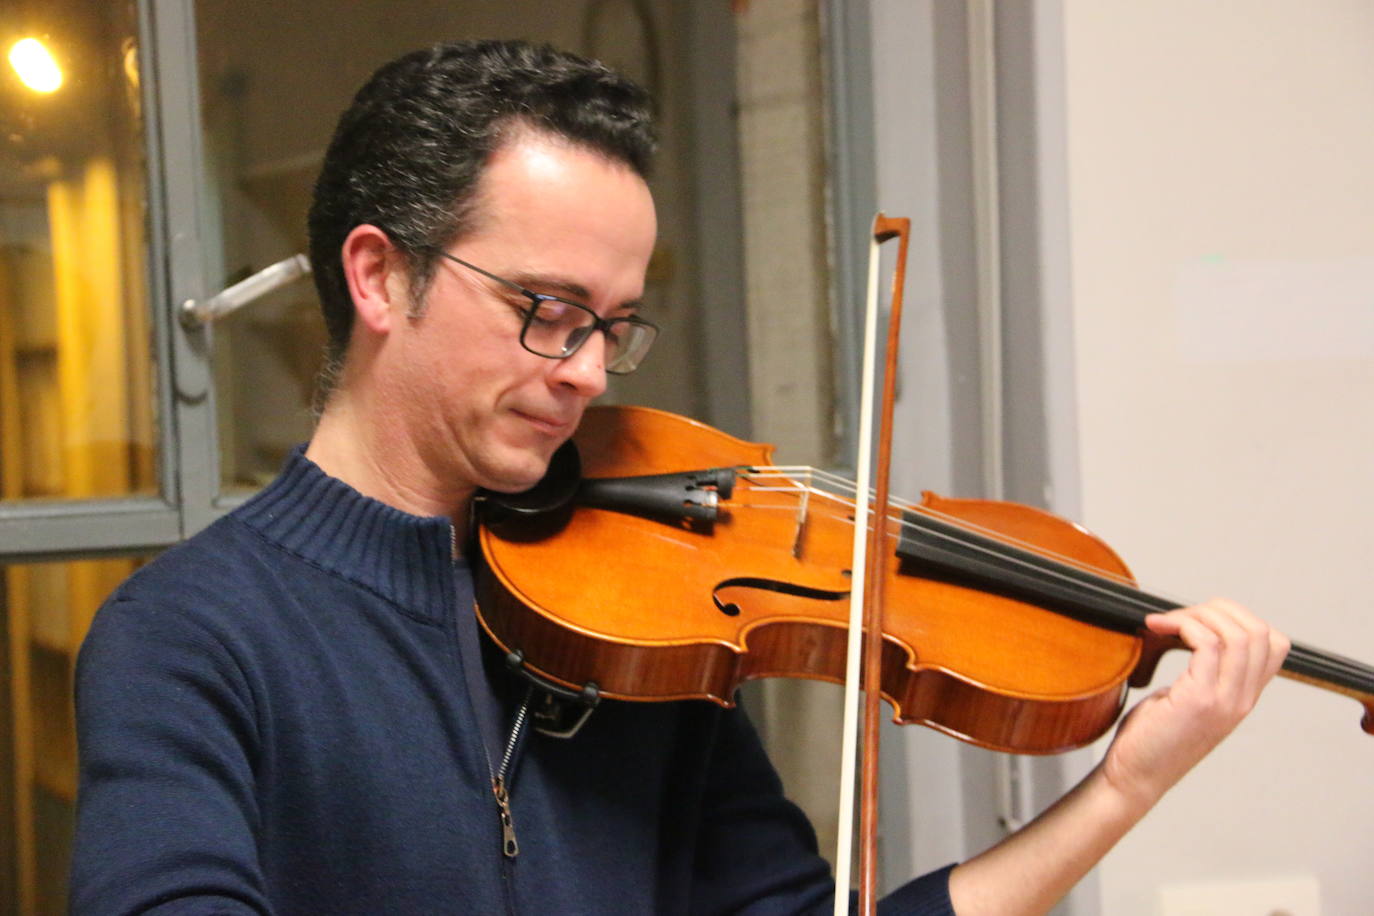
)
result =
(1222, 222)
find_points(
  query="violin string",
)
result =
(840, 489)
(997, 538)
(840, 485)
(1100, 591)
(974, 537)
(1315, 661)
(1358, 674)
(970, 528)
(1102, 588)
(1334, 668)
(846, 491)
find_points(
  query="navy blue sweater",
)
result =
(275, 717)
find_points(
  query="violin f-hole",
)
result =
(732, 608)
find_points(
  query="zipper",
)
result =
(510, 847)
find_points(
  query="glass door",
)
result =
(84, 429)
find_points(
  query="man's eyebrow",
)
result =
(575, 291)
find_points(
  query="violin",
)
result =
(631, 573)
(646, 578)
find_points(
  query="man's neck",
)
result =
(357, 444)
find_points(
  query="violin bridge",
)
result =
(801, 522)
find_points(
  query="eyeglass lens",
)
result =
(557, 329)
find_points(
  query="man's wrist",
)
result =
(1118, 798)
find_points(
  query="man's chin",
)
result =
(517, 477)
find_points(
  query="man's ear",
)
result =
(373, 268)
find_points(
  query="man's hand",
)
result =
(1235, 654)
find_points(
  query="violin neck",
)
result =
(1333, 672)
(940, 548)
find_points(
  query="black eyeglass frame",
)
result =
(603, 325)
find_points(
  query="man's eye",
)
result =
(548, 311)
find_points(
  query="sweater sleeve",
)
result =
(166, 809)
(758, 851)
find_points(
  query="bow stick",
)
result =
(865, 606)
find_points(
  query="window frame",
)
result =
(187, 457)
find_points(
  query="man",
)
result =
(294, 711)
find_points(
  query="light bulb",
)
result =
(35, 65)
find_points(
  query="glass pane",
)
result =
(45, 609)
(273, 80)
(263, 148)
(76, 370)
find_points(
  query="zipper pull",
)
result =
(508, 844)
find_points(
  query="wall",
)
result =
(781, 154)
(1223, 295)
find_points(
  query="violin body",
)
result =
(648, 609)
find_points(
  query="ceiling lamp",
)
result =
(35, 65)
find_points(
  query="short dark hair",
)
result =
(407, 154)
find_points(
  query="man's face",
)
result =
(554, 218)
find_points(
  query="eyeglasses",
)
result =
(556, 328)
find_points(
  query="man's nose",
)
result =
(585, 370)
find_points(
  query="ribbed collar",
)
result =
(405, 558)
